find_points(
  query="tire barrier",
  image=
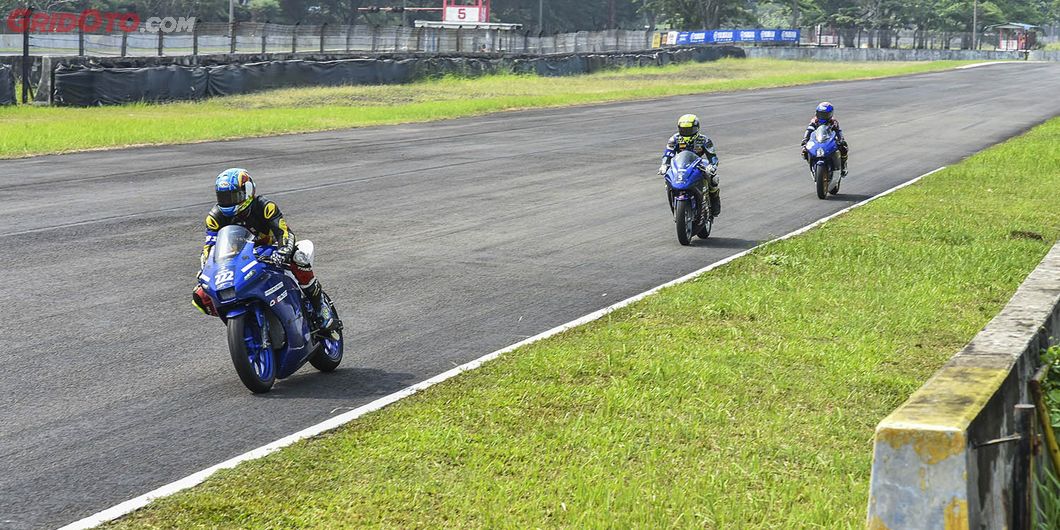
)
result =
(94, 85)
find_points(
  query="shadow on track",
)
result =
(345, 384)
(725, 242)
(851, 197)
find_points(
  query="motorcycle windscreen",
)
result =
(684, 160)
(230, 242)
(823, 134)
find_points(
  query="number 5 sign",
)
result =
(462, 14)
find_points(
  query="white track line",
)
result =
(131, 505)
(991, 63)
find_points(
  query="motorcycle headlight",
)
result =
(226, 294)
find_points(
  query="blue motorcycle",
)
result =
(270, 334)
(823, 155)
(685, 186)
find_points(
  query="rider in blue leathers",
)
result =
(824, 116)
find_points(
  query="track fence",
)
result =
(207, 38)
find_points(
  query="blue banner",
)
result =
(721, 36)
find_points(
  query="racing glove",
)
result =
(662, 169)
(283, 254)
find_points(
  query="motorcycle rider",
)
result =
(824, 116)
(688, 138)
(237, 204)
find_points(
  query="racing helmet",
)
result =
(824, 112)
(688, 125)
(235, 191)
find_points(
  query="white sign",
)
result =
(462, 14)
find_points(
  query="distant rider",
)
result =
(237, 204)
(823, 116)
(688, 138)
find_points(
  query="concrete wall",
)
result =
(1042, 55)
(876, 54)
(929, 470)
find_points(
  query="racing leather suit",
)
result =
(703, 147)
(840, 139)
(263, 219)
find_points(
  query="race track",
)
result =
(440, 242)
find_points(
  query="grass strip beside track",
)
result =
(746, 398)
(28, 130)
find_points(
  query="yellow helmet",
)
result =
(688, 125)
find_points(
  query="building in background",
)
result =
(1013, 36)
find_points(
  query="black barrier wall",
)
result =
(7, 85)
(89, 85)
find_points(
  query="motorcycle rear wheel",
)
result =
(708, 221)
(254, 363)
(329, 353)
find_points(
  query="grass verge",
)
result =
(28, 130)
(746, 398)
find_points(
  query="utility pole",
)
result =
(232, 16)
(26, 66)
(541, 16)
(975, 24)
(610, 14)
(794, 14)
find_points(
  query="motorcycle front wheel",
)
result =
(685, 216)
(822, 176)
(253, 360)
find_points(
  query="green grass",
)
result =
(27, 130)
(1052, 46)
(746, 398)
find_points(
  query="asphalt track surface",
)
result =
(440, 242)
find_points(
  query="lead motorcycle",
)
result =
(270, 333)
(822, 151)
(685, 184)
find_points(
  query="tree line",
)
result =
(565, 15)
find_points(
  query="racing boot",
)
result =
(322, 315)
(844, 164)
(715, 202)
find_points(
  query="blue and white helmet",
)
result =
(824, 112)
(235, 191)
